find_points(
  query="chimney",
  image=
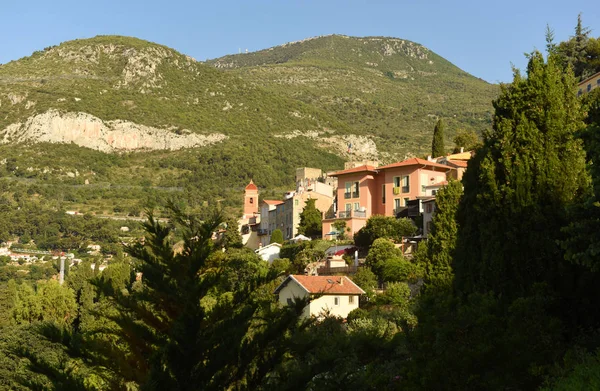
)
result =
(342, 280)
(462, 149)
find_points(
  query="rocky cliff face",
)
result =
(88, 131)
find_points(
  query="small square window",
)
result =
(290, 301)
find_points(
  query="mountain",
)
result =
(391, 89)
(94, 123)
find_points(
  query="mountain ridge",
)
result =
(382, 95)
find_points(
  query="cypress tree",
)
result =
(437, 145)
(518, 185)
(441, 242)
(277, 236)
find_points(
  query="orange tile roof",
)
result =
(273, 202)
(459, 163)
(251, 186)
(328, 285)
(415, 162)
(354, 170)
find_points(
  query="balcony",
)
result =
(346, 214)
(263, 232)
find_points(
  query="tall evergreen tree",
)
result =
(441, 241)
(311, 220)
(437, 145)
(518, 185)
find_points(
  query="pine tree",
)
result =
(437, 145)
(311, 220)
(231, 237)
(519, 183)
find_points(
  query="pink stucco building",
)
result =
(368, 190)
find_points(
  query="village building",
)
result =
(335, 295)
(269, 252)
(588, 84)
(249, 223)
(367, 190)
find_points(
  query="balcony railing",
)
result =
(346, 214)
(405, 189)
(347, 196)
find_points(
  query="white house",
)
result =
(269, 253)
(337, 295)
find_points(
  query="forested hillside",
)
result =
(168, 126)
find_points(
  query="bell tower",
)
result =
(250, 200)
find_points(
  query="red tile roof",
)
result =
(459, 163)
(415, 162)
(328, 285)
(251, 186)
(355, 170)
(273, 202)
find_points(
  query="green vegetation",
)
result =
(310, 220)
(323, 85)
(384, 227)
(277, 236)
(466, 140)
(502, 296)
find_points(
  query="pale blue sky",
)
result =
(481, 37)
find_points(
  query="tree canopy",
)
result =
(311, 220)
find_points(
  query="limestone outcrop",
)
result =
(89, 131)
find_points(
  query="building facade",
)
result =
(335, 295)
(588, 84)
(386, 190)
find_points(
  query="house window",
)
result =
(348, 207)
(396, 204)
(406, 201)
(350, 299)
(290, 301)
(433, 192)
(579, 92)
(336, 301)
(296, 202)
(356, 206)
(405, 184)
(348, 192)
(355, 189)
(589, 87)
(251, 200)
(383, 194)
